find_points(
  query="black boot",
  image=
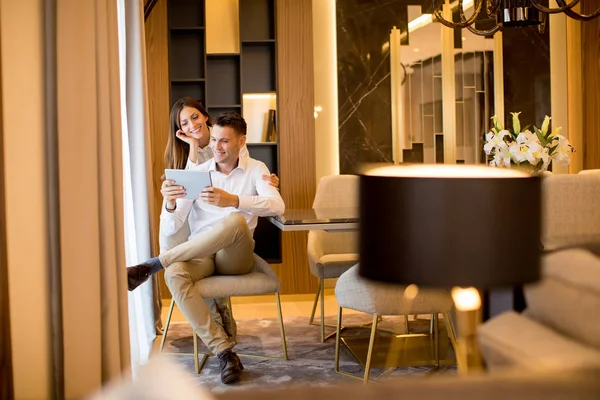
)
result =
(230, 365)
(138, 275)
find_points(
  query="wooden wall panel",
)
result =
(157, 54)
(296, 128)
(590, 41)
(6, 383)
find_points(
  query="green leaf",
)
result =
(551, 149)
(540, 136)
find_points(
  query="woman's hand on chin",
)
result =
(193, 142)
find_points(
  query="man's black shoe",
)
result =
(137, 275)
(230, 365)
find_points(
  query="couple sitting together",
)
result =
(221, 221)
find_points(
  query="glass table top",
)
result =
(318, 216)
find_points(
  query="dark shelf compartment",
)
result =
(187, 28)
(258, 41)
(223, 80)
(188, 80)
(267, 241)
(182, 65)
(217, 109)
(190, 89)
(183, 13)
(258, 67)
(257, 19)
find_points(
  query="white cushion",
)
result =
(567, 298)
(357, 293)
(513, 340)
(262, 280)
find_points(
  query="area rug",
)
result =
(310, 361)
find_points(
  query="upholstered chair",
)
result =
(383, 299)
(330, 254)
(262, 280)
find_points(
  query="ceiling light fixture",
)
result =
(508, 13)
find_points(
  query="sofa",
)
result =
(560, 327)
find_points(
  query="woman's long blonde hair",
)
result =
(177, 151)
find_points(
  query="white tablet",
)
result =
(193, 181)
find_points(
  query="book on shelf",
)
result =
(271, 133)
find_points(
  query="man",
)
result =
(221, 222)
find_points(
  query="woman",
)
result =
(189, 136)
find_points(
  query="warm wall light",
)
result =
(259, 95)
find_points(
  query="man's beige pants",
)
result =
(227, 249)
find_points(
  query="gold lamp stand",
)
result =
(468, 316)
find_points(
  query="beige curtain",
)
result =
(144, 303)
(94, 292)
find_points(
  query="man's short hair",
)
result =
(233, 120)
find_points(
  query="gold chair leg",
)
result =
(314, 308)
(338, 331)
(431, 324)
(370, 351)
(281, 327)
(164, 338)
(322, 310)
(452, 335)
(196, 364)
(436, 340)
(203, 361)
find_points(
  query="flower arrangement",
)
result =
(533, 151)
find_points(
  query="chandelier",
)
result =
(509, 13)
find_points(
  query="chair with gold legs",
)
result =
(380, 299)
(262, 280)
(330, 254)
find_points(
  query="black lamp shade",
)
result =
(450, 231)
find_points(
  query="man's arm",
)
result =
(267, 202)
(172, 221)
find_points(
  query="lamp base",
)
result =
(468, 350)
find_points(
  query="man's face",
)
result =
(226, 144)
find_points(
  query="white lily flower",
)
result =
(502, 157)
(545, 156)
(562, 151)
(495, 141)
(518, 152)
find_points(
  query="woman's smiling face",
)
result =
(193, 124)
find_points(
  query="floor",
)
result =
(251, 307)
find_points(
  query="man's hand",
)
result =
(171, 192)
(219, 197)
(272, 179)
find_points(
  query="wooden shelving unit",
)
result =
(221, 80)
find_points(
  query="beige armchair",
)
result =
(570, 212)
(378, 299)
(330, 254)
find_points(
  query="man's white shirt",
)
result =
(257, 198)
